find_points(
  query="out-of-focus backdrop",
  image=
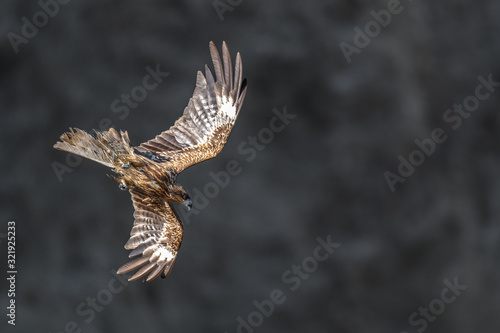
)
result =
(367, 193)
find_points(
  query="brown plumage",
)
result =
(149, 171)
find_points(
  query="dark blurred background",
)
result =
(423, 255)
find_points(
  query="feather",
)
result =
(131, 265)
(217, 63)
(143, 271)
(154, 273)
(228, 67)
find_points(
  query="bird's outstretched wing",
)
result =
(155, 237)
(203, 129)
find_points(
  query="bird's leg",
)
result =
(122, 186)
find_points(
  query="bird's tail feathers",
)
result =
(106, 148)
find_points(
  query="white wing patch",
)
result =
(163, 254)
(228, 109)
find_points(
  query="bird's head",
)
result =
(179, 194)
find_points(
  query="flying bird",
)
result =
(149, 171)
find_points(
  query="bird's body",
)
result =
(149, 171)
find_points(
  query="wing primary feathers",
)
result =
(154, 273)
(217, 63)
(211, 96)
(143, 271)
(131, 265)
(168, 269)
(238, 72)
(201, 82)
(138, 250)
(228, 67)
(243, 91)
(210, 77)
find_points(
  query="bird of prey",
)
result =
(149, 171)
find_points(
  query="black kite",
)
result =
(150, 170)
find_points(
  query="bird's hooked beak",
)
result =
(188, 203)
